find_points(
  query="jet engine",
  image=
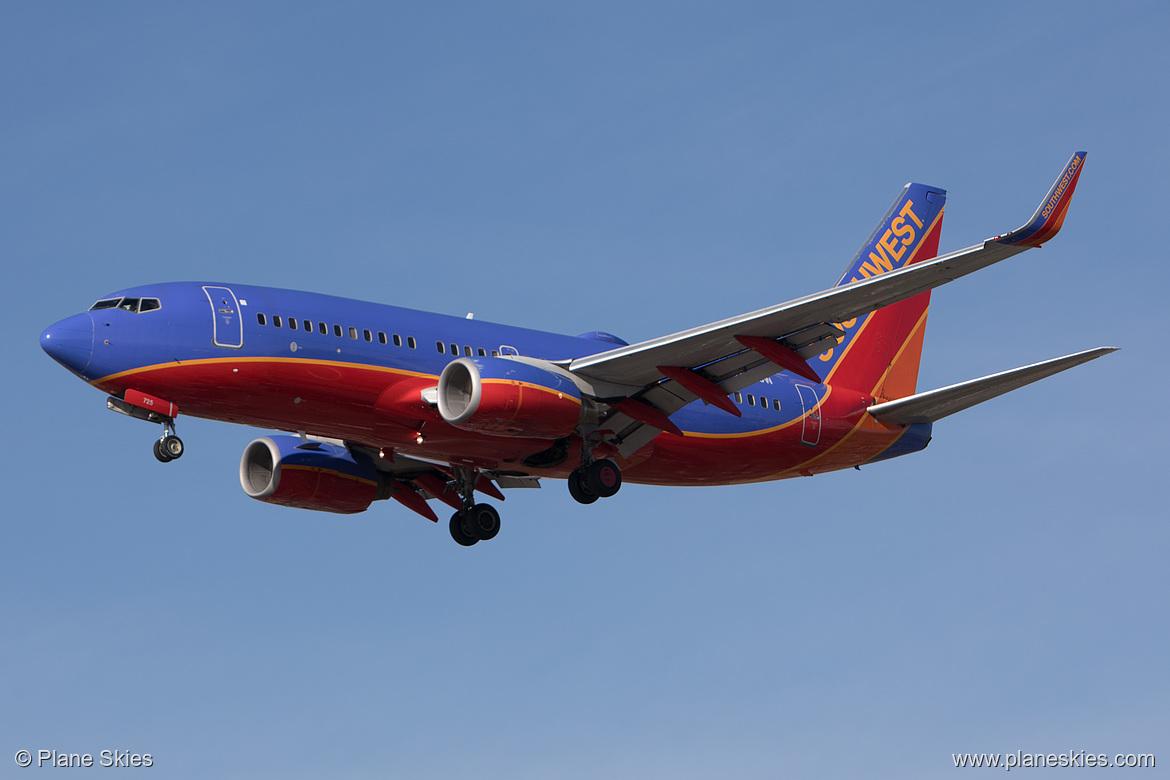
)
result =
(502, 397)
(285, 470)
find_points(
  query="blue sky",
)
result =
(637, 168)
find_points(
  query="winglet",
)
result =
(1046, 222)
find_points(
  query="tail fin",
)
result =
(879, 352)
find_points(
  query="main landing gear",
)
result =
(474, 522)
(168, 447)
(478, 523)
(595, 478)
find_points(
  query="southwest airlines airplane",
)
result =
(384, 402)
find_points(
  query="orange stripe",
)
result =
(909, 340)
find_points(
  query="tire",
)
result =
(578, 490)
(484, 522)
(161, 453)
(603, 478)
(458, 533)
(173, 446)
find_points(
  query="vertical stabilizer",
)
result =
(880, 351)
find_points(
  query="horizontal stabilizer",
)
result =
(937, 404)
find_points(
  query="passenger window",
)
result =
(367, 335)
(763, 402)
(482, 352)
(441, 347)
(337, 331)
(323, 328)
(751, 400)
(410, 342)
(276, 320)
(776, 404)
(495, 353)
(308, 326)
(353, 332)
(454, 349)
(381, 337)
(397, 340)
(738, 398)
(292, 323)
(109, 303)
(260, 319)
(467, 351)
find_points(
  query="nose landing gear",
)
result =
(140, 406)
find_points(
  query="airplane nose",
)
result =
(70, 342)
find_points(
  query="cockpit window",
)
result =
(136, 305)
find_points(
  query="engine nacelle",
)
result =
(325, 477)
(504, 397)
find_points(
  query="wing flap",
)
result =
(936, 404)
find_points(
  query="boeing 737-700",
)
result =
(378, 402)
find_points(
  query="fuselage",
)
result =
(353, 370)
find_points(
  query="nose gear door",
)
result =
(227, 324)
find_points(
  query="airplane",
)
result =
(378, 402)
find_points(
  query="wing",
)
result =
(710, 361)
(637, 364)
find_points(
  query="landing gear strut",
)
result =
(474, 522)
(169, 447)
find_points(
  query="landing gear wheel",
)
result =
(459, 533)
(482, 521)
(603, 478)
(172, 446)
(578, 490)
(161, 453)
